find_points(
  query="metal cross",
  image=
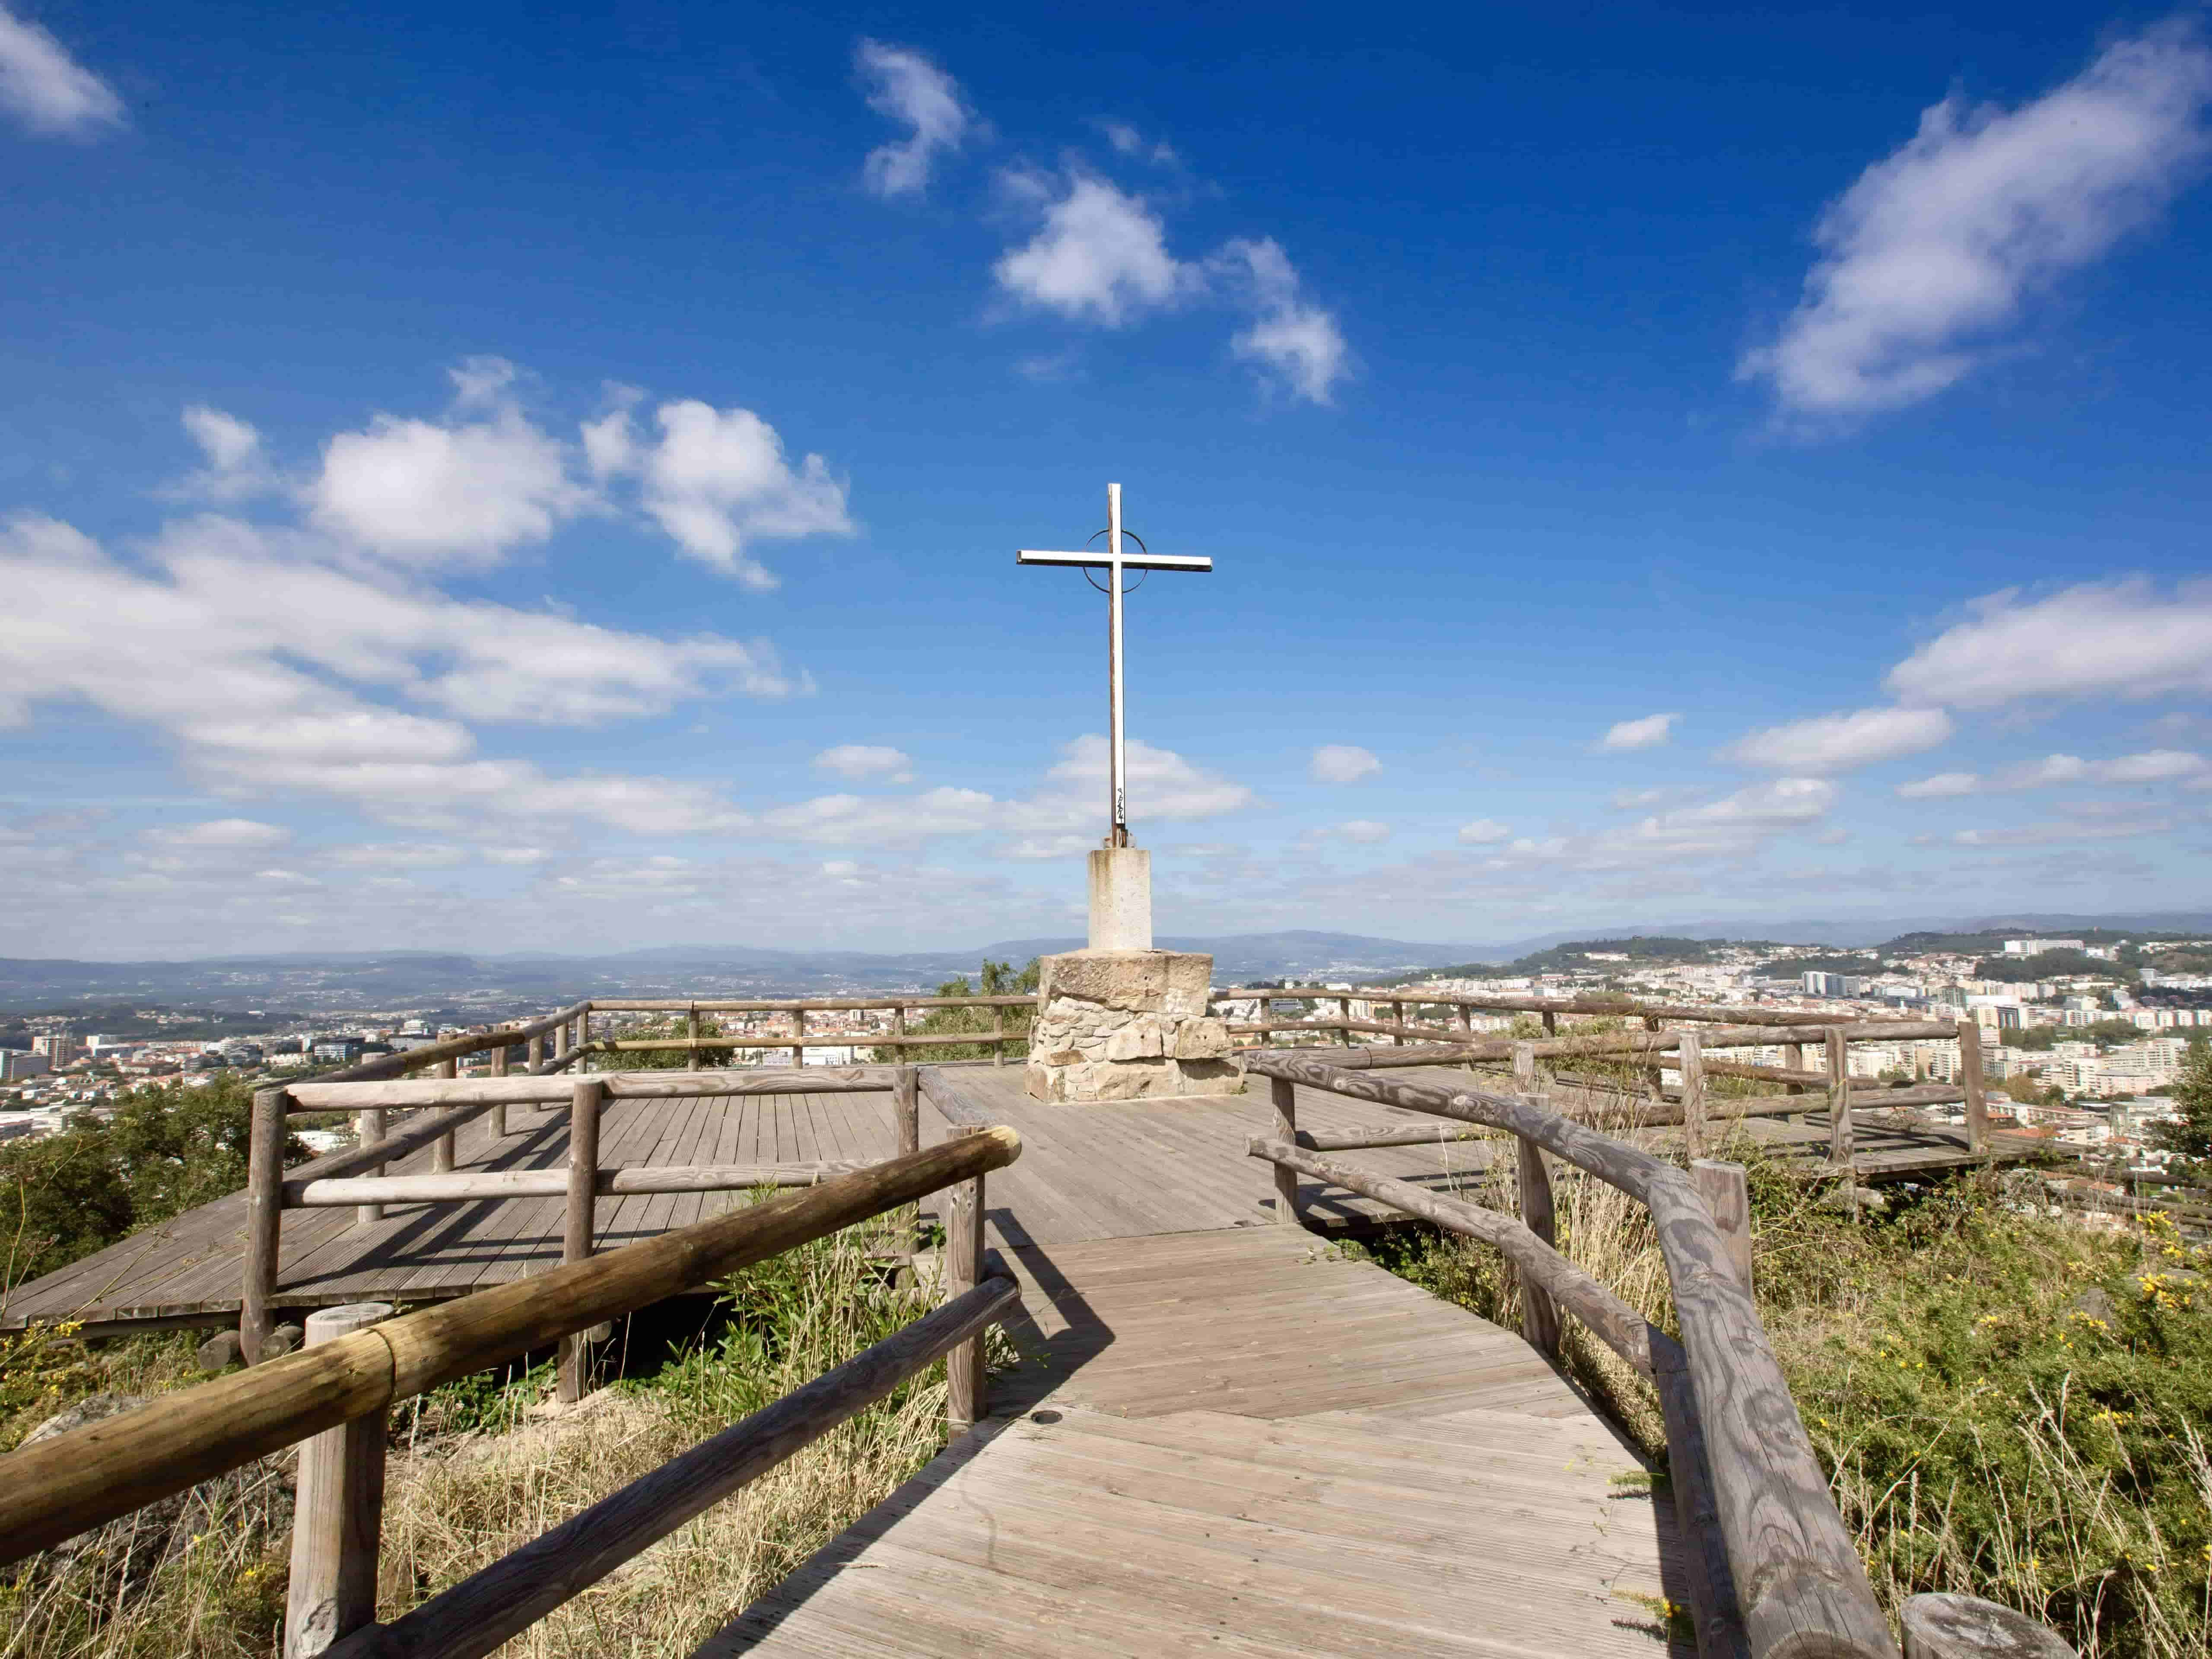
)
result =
(1114, 561)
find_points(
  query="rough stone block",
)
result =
(1140, 1039)
(1201, 1039)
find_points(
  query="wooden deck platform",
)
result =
(1121, 1169)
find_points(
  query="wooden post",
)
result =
(265, 1219)
(997, 1036)
(1397, 1017)
(1286, 1095)
(1793, 1059)
(576, 1226)
(339, 1511)
(1972, 1080)
(1692, 1060)
(561, 1039)
(691, 1030)
(1540, 1313)
(1840, 1099)
(1343, 1011)
(799, 1036)
(1551, 1019)
(1727, 1195)
(963, 1272)
(368, 1130)
(1941, 1626)
(906, 1108)
(497, 1116)
(533, 1052)
(441, 1150)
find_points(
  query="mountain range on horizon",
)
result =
(392, 977)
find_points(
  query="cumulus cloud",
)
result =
(1841, 742)
(1064, 815)
(236, 468)
(1940, 247)
(904, 86)
(46, 88)
(1736, 824)
(862, 761)
(1342, 762)
(1101, 255)
(2154, 766)
(462, 493)
(718, 480)
(206, 648)
(1485, 832)
(1648, 732)
(1296, 344)
(2131, 639)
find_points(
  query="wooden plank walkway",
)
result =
(1239, 1441)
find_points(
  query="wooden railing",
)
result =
(1688, 1051)
(997, 1039)
(1771, 1569)
(335, 1394)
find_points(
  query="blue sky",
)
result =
(483, 479)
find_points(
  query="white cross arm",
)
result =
(1096, 560)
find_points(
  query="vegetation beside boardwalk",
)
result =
(2009, 1404)
(475, 1473)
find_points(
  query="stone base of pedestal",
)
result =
(1128, 1025)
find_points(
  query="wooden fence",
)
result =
(335, 1394)
(1771, 1567)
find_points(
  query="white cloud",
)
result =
(222, 834)
(860, 761)
(1127, 141)
(1295, 341)
(2043, 834)
(1342, 762)
(2125, 639)
(717, 479)
(236, 468)
(1648, 732)
(2154, 766)
(1366, 832)
(45, 88)
(878, 821)
(208, 650)
(1937, 247)
(424, 494)
(397, 855)
(1485, 832)
(906, 87)
(1943, 786)
(1736, 824)
(1161, 783)
(1840, 742)
(1100, 257)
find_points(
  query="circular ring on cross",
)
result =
(1141, 548)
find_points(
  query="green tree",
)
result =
(999, 979)
(2191, 1137)
(666, 1059)
(167, 1149)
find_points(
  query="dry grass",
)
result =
(1985, 1432)
(476, 1473)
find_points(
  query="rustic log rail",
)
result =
(60, 1487)
(348, 1178)
(1799, 1586)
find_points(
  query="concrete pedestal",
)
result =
(1121, 899)
(1128, 1025)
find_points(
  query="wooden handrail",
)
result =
(1801, 1587)
(324, 1095)
(803, 1004)
(483, 1611)
(59, 1487)
(1507, 1003)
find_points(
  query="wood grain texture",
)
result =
(59, 1487)
(338, 1515)
(1977, 1085)
(1795, 1565)
(481, 1612)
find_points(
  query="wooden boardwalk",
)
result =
(1239, 1442)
